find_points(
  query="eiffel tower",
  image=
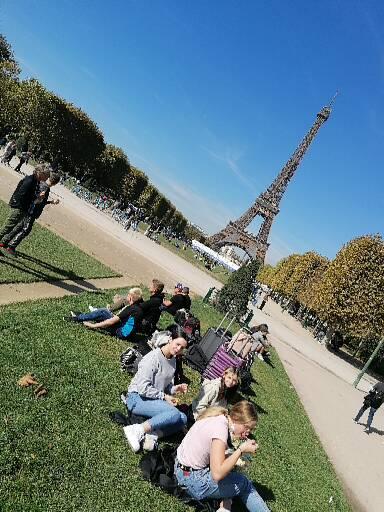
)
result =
(267, 204)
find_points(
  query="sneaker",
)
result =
(134, 434)
(75, 314)
(150, 442)
(92, 309)
(367, 430)
(260, 356)
(70, 319)
(123, 398)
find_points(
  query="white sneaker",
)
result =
(73, 315)
(150, 442)
(92, 309)
(260, 356)
(134, 435)
(123, 398)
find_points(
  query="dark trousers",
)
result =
(15, 216)
(262, 304)
(18, 166)
(22, 230)
(371, 414)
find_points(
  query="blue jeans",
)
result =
(162, 416)
(371, 414)
(99, 315)
(201, 486)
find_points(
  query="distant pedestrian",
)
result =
(372, 401)
(9, 153)
(24, 158)
(264, 300)
(21, 200)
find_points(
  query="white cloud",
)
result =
(231, 159)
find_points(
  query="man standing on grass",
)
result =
(22, 230)
(21, 200)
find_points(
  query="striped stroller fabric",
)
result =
(225, 357)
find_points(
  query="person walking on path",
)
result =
(264, 300)
(24, 157)
(372, 401)
(21, 200)
(9, 153)
(22, 230)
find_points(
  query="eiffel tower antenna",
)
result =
(267, 204)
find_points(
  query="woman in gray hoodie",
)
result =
(150, 393)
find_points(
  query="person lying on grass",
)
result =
(150, 394)
(201, 465)
(123, 325)
(216, 392)
(150, 307)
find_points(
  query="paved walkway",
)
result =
(322, 380)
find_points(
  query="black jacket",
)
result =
(39, 207)
(24, 193)
(151, 308)
(375, 398)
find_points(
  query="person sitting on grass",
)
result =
(21, 200)
(216, 392)
(261, 344)
(202, 467)
(150, 394)
(187, 298)
(176, 302)
(22, 230)
(123, 325)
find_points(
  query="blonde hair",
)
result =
(210, 412)
(244, 413)
(136, 294)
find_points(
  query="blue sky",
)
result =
(210, 98)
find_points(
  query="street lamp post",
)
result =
(367, 364)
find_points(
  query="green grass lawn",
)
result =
(62, 453)
(44, 256)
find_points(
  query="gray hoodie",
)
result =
(154, 376)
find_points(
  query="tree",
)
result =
(8, 65)
(351, 294)
(148, 198)
(304, 268)
(283, 272)
(235, 294)
(265, 274)
(161, 207)
(111, 168)
(134, 184)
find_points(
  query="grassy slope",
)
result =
(63, 453)
(44, 256)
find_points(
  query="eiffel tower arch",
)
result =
(267, 204)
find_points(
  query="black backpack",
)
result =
(129, 360)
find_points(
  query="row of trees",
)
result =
(56, 130)
(347, 292)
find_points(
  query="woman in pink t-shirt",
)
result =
(202, 467)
